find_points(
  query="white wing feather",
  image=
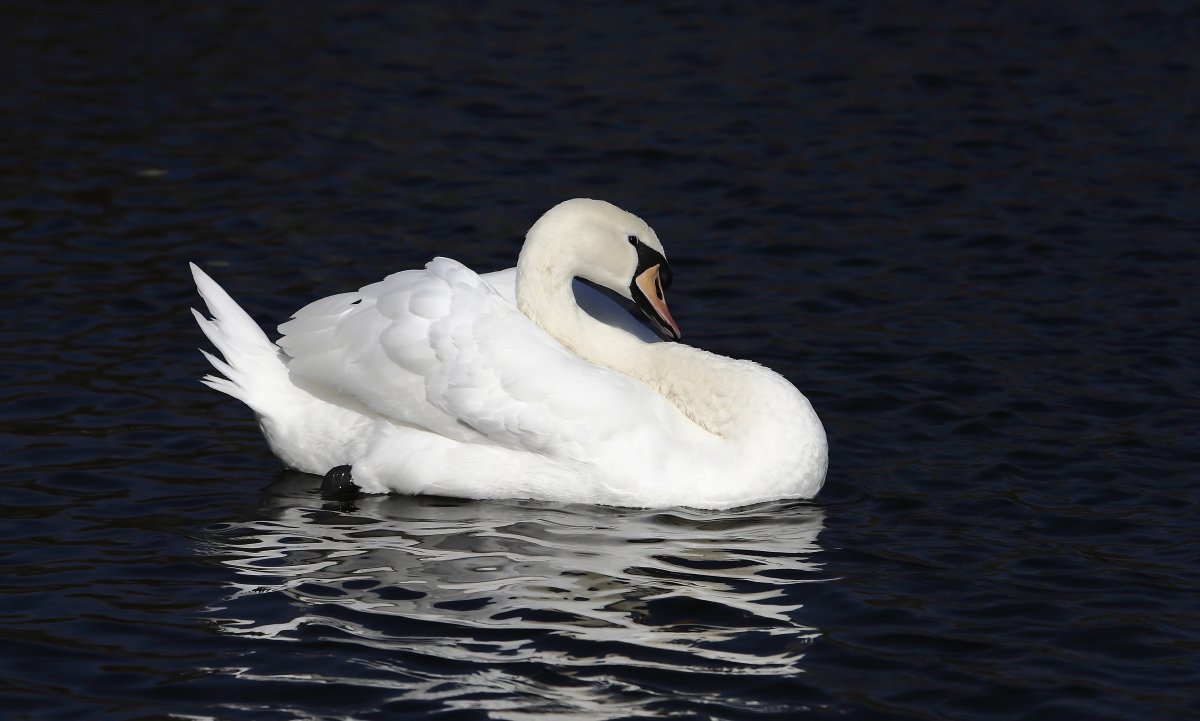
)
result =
(443, 350)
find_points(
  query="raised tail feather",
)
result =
(309, 427)
(252, 369)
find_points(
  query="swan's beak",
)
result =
(647, 292)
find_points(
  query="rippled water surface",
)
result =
(969, 236)
(523, 608)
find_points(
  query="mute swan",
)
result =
(443, 381)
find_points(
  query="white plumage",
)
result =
(445, 381)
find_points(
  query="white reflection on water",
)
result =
(592, 593)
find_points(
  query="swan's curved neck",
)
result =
(696, 382)
(544, 295)
(735, 418)
(757, 421)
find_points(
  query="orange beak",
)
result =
(653, 303)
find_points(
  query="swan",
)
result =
(444, 381)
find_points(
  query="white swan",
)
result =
(443, 381)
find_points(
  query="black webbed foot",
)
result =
(338, 484)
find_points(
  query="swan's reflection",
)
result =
(503, 582)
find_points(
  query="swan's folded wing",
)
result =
(440, 349)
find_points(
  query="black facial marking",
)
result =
(648, 258)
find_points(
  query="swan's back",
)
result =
(440, 349)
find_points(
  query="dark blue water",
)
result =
(969, 235)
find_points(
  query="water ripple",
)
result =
(491, 597)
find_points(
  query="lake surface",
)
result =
(969, 236)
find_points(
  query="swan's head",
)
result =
(601, 243)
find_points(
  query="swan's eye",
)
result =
(633, 240)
